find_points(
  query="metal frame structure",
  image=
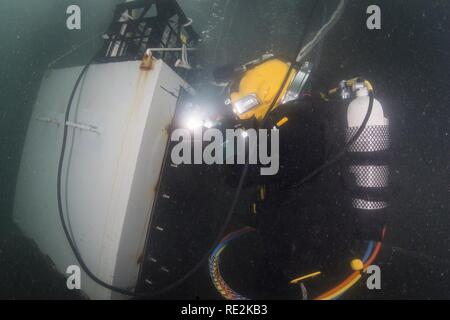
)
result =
(143, 24)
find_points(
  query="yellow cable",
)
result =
(368, 85)
(220, 251)
(324, 97)
(343, 289)
(332, 91)
(282, 122)
(308, 276)
(350, 83)
(262, 192)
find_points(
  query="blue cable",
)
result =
(368, 251)
(365, 257)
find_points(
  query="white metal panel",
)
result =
(146, 177)
(104, 170)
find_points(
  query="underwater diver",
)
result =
(307, 222)
(331, 194)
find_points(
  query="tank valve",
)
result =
(345, 91)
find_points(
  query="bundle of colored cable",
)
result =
(214, 270)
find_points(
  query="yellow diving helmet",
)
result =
(259, 86)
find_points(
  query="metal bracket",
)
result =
(84, 127)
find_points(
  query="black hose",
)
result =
(342, 153)
(221, 233)
(59, 190)
(291, 67)
(71, 241)
(59, 185)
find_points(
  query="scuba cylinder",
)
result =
(368, 162)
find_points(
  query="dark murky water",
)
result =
(408, 60)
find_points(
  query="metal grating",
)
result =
(371, 176)
(373, 138)
(144, 24)
(369, 205)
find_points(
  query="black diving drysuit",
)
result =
(304, 228)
